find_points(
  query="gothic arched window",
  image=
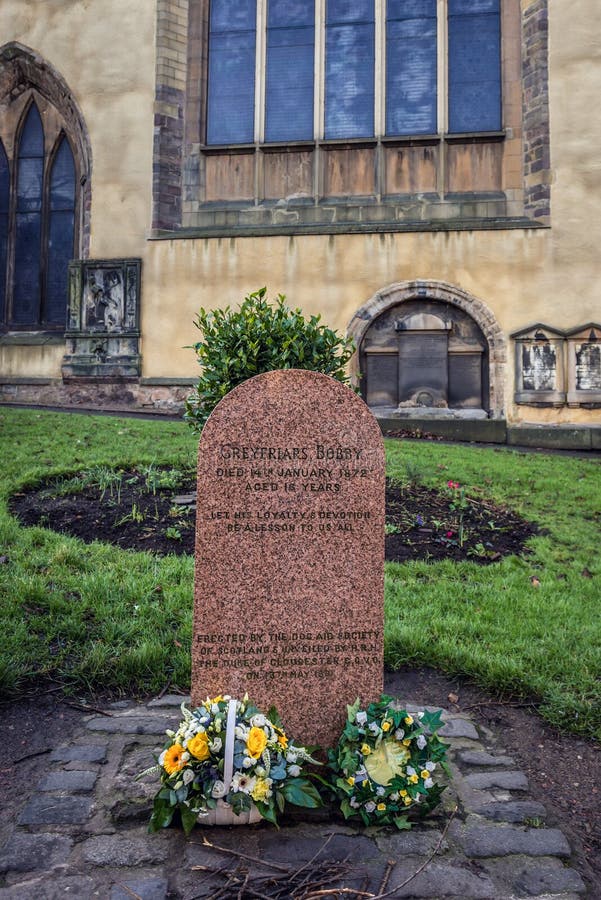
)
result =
(37, 223)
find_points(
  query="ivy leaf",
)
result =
(189, 818)
(301, 792)
(161, 817)
(351, 711)
(402, 823)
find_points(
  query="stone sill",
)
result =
(297, 228)
(169, 382)
(31, 338)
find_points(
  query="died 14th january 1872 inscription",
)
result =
(290, 551)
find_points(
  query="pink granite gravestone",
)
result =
(289, 580)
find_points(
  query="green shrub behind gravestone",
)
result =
(259, 337)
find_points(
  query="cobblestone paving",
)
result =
(83, 832)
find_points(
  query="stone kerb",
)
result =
(289, 576)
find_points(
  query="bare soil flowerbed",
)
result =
(154, 509)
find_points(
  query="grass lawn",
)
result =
(95, 618)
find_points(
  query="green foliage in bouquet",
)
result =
(265, 769)
(259, 337)
(386, 763)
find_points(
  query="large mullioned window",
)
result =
(303, 70)
(37, 226)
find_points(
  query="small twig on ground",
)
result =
(255, 859)
(86, 708)
(516, 704)
(313, 858)
(129, 891)
(163, 690)
(386, 878)
(423, 865)
(32, 755)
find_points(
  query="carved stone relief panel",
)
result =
(103, 322)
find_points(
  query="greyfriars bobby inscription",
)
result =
(290, 550)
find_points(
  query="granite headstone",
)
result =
(289, 578)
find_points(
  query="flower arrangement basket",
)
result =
(229, 764)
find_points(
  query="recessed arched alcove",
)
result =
(429, 347)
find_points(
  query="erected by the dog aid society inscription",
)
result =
(289, 576)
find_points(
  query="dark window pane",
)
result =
(474, 66)
(32, 136)
(4, 189)
(29, 184)
(26, 292)
(289, 80)
(411, 67)
(231, 91)
(345, 11)
(62, 178)
(60, 234)
(233, 15)
(60, 252)
(349, 88)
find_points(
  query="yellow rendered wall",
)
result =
(106, 53)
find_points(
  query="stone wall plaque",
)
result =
(539, 367)
(584, 365)
(465, 380)
(423, 369)
(289, 575)
(103, 330)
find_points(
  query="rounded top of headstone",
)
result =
(298, 395)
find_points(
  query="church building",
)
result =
(422, 173)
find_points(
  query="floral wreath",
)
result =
(385, 763)
(228, 752)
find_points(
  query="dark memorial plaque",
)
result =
(423, 371)
(465, 380)
(289, 580)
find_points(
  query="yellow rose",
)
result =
(403, 793)
(409, 720)
(381, 806)
(351, 780)
(172, 761)
(413, 779)
(198, 746)
(385, 726)
(407, 801)
(407, 742)
(256, 742)
(365, 749)
(424, 774)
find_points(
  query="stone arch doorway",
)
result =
(429, 348)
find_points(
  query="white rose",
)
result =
(430, 766)
(370, 806)
(394, 797)
(411, 770)
(428, 783)
(361, 717)
(399, 734)
(291, 757)
(188, 776)
(258, 721)
(380, 791)
(354, 803)
(247, 762)
(215, 745)
(374, 727)
(421, 741)
(294, 771)
(218, 790)
(241, 732)
(215, 708)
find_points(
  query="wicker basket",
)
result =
(223, 814)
